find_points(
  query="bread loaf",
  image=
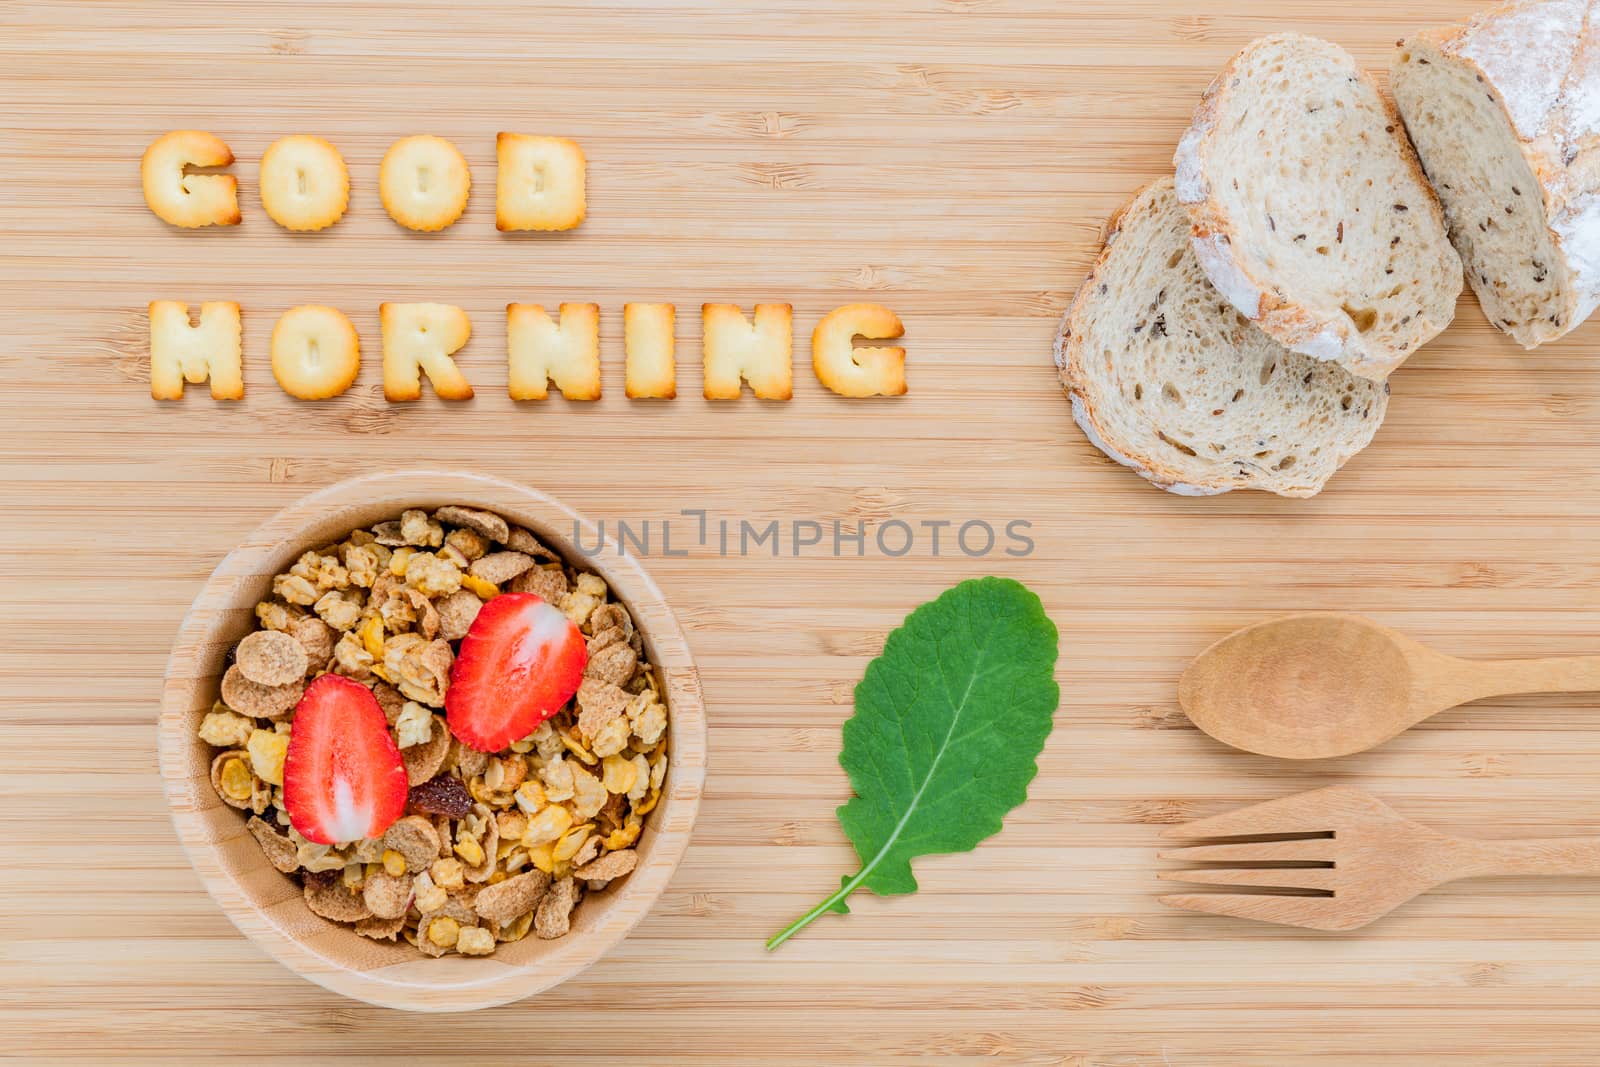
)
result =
(1505, 113)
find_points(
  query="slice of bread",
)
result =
(1168, 378)
(1310, 211)
(1505, 112)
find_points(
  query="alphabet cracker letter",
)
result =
(647, 331)
(315, 352)
(539, 184)
(541, 352)
(761, 354)
(419, 338)
(851, 371)
(180, 352)
(190, 200)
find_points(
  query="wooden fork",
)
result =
(1351, 859)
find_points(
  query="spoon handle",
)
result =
(1477, 858)
(1560, 674)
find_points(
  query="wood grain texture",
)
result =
(954, 159)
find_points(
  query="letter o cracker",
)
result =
(424, 182)
(315, 352)
(190, 200)
(304, 183)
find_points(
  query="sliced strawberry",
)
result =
(343, 779)
(521, 660)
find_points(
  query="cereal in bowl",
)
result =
(444, 732)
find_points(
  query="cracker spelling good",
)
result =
(423, 182)
(759, 353)
(315, 352)
(304, 183)
(181, 352)
(190, 200)
(648, 344)
(539, 184)
(420, 338)
(489, 846)
(851, 371)
(540, 351)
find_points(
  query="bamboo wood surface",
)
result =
(953, 159)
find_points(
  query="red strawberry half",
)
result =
(342, 778)
(519, 663)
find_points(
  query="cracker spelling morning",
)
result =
(316, 353)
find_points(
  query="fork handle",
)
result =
(1478, 858)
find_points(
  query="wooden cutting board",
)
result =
(953, 160)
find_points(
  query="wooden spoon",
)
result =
(1321, 685)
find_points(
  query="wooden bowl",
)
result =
(266, 905)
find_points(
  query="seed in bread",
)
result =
(1310, 211)
(315, 352)
(735, 350)
(851, 371)
(190, 200)
(420, 339)
(539, 184)
(648, 343)
(304, 183)
(1168, 378)
(540, 351)
(181, 351)
(1503, 112)
(423, 182)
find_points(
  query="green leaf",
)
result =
(948, 723)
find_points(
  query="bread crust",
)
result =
(1554, 113)
(1294, 325)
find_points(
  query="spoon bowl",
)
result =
(1321, 685)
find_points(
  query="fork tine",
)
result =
(1316, 849)
(1300, 813)
(1313, 913)
(1325, 878)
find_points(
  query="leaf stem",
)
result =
(815, 913)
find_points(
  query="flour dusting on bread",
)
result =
(1505, 113)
